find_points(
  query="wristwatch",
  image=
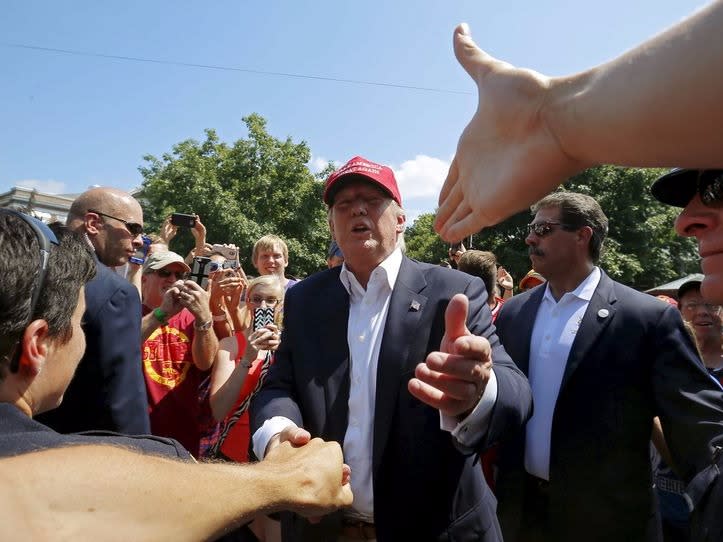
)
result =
(204, 326)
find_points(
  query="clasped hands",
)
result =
(186, 294)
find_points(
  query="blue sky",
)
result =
(70, 121)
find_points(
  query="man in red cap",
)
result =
(409, 430)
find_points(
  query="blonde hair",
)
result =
(267, 242)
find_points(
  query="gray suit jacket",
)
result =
(424, 487)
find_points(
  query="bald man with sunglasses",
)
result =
(108, 391)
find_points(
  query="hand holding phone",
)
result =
(139, 257)
(183, 220)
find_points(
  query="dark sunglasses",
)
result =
(541, 229)
(710, 187)
(165, 273)
(46, 238)
(133, 228)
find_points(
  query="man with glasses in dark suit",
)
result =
(107, 392)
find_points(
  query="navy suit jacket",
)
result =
(108, 390)
(632, 359)
(424, 487)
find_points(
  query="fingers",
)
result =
(449, 197)
(473, 59)
(296, 436)
(455, 320)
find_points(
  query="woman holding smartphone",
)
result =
(241, 364)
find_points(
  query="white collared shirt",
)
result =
(554, 331)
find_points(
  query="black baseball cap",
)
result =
(677, 187)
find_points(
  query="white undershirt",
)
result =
(554, 331)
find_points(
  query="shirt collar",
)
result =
(583, 291)
(388, 270)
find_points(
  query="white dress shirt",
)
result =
(554, 331)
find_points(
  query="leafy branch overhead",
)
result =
(244, 190)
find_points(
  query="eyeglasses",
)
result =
(541, 229)
(710, 187)
(45, 237)
(258, 300)
(694, 306)
(165, 273)
(133, 228)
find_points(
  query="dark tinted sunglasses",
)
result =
(541, 229)
(710, 187)
(133, 228)
(46, 238)
(165, 273)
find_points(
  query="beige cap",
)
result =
(159, 260)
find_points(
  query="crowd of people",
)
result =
(175, 397)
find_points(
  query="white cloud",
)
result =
(49, 186)
(422, 177)
(317, 164)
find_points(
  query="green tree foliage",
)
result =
(642, 249)
(242, 191)
(422, 241)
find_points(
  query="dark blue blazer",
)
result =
(424, 487)
(632, 359)
(108, 390)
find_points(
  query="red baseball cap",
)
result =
(380, 175)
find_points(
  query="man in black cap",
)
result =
(700, 193)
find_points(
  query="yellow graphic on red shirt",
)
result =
(166, 356)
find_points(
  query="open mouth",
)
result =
(360, 228)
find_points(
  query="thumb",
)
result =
(473, 59)
(455, 321)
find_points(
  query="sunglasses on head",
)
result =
(541, 229)
(46, 238)
(710, 187)
(133, 228)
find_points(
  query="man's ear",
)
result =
(93, 223)
(585, 234)
(34, 343)
(401, 221)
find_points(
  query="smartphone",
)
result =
(183, 221)
(140, 256)
(230, 253)
(263, 316)
(200, 270)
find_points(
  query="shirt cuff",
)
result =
(262, 436)
(469, 431)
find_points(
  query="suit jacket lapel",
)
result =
(401, 332)
(334, 359)
(600, 312)
(524, 321)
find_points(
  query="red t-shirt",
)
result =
(172, 381)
